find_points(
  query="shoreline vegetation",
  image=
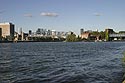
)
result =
(70, 38)
(94, 36)
(55, 41)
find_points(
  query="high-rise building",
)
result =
(81, 31)
(53, 32)
(30, 32)
(7, 29)
(41, 32)
(38, 31)
(49, 32)
(21, 30)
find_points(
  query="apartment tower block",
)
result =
(7, 29)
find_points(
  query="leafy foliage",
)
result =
(101, 34)
(45, 39)
(71, 38)
(107, 36)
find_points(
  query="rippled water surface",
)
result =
(79, 62)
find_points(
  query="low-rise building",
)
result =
(85, 35)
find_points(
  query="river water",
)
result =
(61, 62)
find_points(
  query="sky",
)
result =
(64, 15)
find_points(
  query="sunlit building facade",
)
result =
(7, 29)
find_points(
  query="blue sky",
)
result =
(64, 15)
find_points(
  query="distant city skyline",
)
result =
(64, 15)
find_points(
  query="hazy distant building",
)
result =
(49, 32)
(53, 33)
(30, 32)
(41, 32)
(21, 30)
(81, 31)
(38, 31)
(7, 29)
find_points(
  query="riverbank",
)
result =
(26, 41)
(54, 41)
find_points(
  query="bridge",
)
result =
(120, 36)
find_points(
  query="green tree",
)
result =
(107, 36)
(102, 34)
(78, 38)
(95, 33)
(71, 38)
(10, 38)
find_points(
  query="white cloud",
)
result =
(49, 14)
(28, 15)
(97, 14)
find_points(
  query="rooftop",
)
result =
(6, 23)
